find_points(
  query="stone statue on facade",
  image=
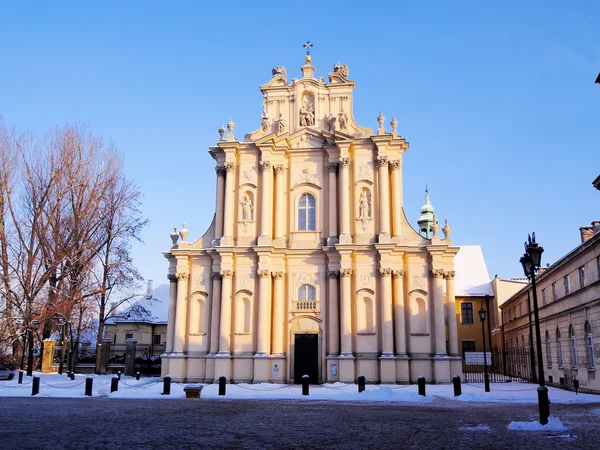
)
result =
(331, 123)
(364, 206)
(342, 69)
(447, 230)
(435, 227)
(306, 177)
(281, 124)
(307, 115)
(246, 208)
(342, 119)
(265, 122)
(279, 71)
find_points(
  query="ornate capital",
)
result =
(449, 275)
(220, 171)
(382, 161)
(172, 278)
(398, 273)
(396, 164)
(346, 272)
(334, 274)
(277, 275)
(437, 273)
(182, 275)
(385, 272)
(229, 167)
(264, 273)
(216, 276)
(265, 165)
(332, 167)
(278, 168)
(344, 162)
(226, 273)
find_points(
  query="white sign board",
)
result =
(476, 358)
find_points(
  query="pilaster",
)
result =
(266, 203)
(227, 239)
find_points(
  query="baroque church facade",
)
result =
(310, 265)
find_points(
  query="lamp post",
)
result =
(531, 262)
(486, 377)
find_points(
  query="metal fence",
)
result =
(510, 364)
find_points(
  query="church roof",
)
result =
(471, 274)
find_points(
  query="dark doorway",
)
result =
(306, 357)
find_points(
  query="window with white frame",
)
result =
(559, 352)
(548, 351)
(574, 364)
(582, 277)
(554, 293)
(307, 292)
(589, 345)
(567, 285)
(544, 302)
(307, 213)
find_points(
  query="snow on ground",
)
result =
(54, 385)
(554, 424)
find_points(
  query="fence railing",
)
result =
(509, 364)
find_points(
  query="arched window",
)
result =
(559, 353)
(589, 345)
(548, 351)
(307, 213)
(307, 292)
(573, 347)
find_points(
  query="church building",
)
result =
(310, 266)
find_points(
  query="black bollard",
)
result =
(167, 385)
(119, 374)
(421, 383)
(361, 383)
(576, 386)
(305, 381)
(137, 376)
(35, 387)
(222, 385)
(457, 387)
(71, 375)
(89, 381)
(20, 377)
(114, 384)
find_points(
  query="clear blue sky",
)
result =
(497, 100)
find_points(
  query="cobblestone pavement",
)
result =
(102, 423)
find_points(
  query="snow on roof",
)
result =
(147, 308)
(471, 277)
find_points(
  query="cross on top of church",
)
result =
(307, 45)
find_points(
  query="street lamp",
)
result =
(531, 262)
(486, 377)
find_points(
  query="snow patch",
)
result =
(478, 427)
(554, 424)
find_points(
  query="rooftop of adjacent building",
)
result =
(471, 277)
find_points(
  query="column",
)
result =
(387, 313)
(384, 199)
(334, 314)
(279, 206)
(399, 312)
(451, 304)
(278, 317)
(344, 195)
(172, 309)
(180, 313)
(332, 167)
(440, 326)
(227, 238)
(215, 313)
(220, 200)
(264, 314)
(346, 312)
(397, 196)
(265, 205)
(225, 319)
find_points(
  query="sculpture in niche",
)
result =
(306, 177)
(342, 119)
(281, 124)
(279, 71)
(247, 209)
(307, 110)
(435, 227)
(265, 122)
(331, 122)
(447, 230)
(342, 69)
(364, 209)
